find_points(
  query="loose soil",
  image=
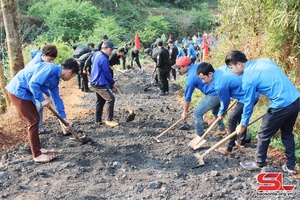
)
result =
(125, 162)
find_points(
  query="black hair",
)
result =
(235, 56)
(205, 68)
(91, 44)
(72, 64)
(74, 46)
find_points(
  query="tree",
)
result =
(10, 11)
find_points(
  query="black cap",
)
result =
(159, 42)
(104, 36)
(121, 49)
(146, 51)
(108, 44)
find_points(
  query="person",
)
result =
(91, 46)
(227, 85)
(78, 51)
(27, 88)
(176, 43)
(209, 102)
(264, 76)
(134, 56)
(103, 39)
(173, 52)
(153, 54)
(114, 59)
(183, 42)
(126, 50)
(83, 71)
(191, 52)
(163, 68)
(153, 45)
(180, 53)
(47, 54)
(101, 81)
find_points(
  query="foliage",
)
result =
(277, 143)
(66, 19)
(154, 27)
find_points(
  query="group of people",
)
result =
(239, 79)
(244, 81)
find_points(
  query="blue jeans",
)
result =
(40, 109)
(275, 119)
(207, 103)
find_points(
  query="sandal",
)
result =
(224, 151)
(43, 158)
(45, 151)
(289, 171)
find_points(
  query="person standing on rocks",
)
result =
(126, 50)
(227, 85)
(47, 54)
(134, 56)
(173, 51)
(163, 68)
(27, 88)
(264, 76)
(153, 54)
(209, 102)
(101, 81)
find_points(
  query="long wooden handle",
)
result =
(123, 99)
(171, 127)
(229, 136)
(63, 121)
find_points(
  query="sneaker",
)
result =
(220, 132)
(163, 93)
(251, 166)
(111, 123)
(289, 171)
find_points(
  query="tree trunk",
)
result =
(10, 11)
(2, 86)
(11, 19)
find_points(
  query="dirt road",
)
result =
(125, 162)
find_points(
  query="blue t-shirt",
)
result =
(180, 52)
(191, 51)
(32, 81)
(264, 76)
(193, 81)
(228, 85)
(100, 74)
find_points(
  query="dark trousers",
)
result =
(84, 82)
(275, 119)
(173, 71)
(137, 60)
(29, 112)
(193, 60)
(104, 96)
(234, 118)
(162, 74)
(123, 61)
(78, 80)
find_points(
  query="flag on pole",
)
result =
(170, 37)
(137, 41)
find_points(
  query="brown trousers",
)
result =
(29, 112)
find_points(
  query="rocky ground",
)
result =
(125, 162)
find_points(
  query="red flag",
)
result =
(137, 41)
(170, 37)
(205, 49)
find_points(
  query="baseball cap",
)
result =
(121, 49)
(104, 36)
(108, 44)
(159, 42)
(182, 61)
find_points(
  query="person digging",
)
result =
(227, 85)
(27, 87)
(209, 102)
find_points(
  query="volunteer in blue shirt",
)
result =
(180, 52)
(227, 85)
(264, 76)
(209, 102)
(27, 88)
(101, 81)
(192, 52)
(47, 54)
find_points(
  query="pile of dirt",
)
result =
(125, 162)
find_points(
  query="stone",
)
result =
(237, 186)
(4, 158)
(155, 184)
(185, 127)
(117, 165)
(214, 173)
(269, 157)
(4, 175)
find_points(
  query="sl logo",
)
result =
(272, 181)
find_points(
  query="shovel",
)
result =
(171, 127)
(131, 115)
(152, 77)
(82, 139)
(197, 142)
(200, 157)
